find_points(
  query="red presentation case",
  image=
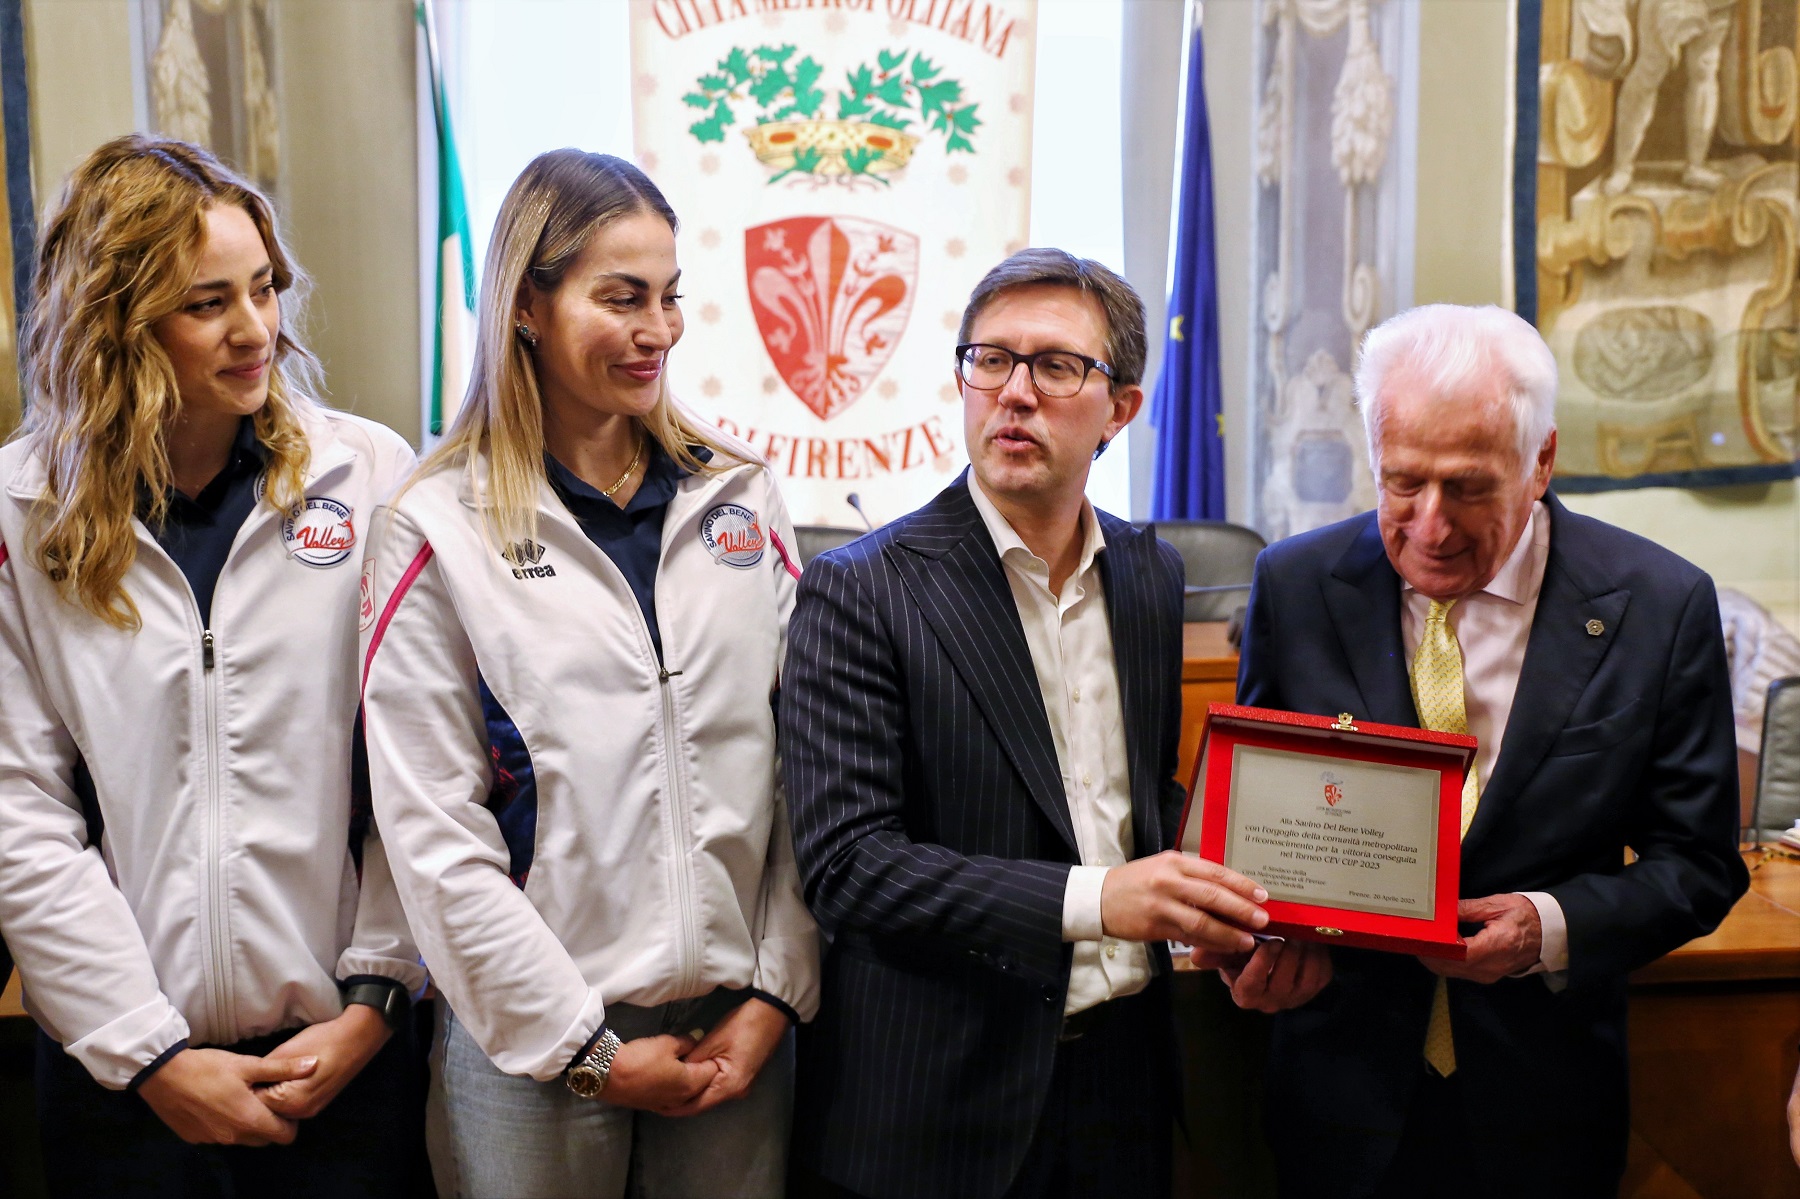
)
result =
(1205, 831)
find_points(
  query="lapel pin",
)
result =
(1595, 628)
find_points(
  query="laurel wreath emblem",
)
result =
(877, 109)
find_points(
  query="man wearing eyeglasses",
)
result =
(979, 717)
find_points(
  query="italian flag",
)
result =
(454, 338)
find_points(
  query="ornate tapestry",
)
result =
(1657, 213)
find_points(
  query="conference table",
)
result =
(1715, 1040)
(1208, 676)
(1715, 1032)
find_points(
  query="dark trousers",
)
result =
(1107, 1128)
(1108, 1123)
(1431, 1159)
(368, 1143)
(1440, 1155)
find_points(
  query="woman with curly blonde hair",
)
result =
(207, 934)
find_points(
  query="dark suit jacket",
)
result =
(934, 840)
(1618, 739)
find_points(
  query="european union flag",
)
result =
(1186, 408)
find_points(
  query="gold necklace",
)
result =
(629, 467)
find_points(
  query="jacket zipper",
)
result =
(217, 916)
(687, 941)
(218, 911)
(215, 954)
(213, 914)
(687, 946)
(687, 957)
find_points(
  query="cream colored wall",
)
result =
(78, 67)
(1747, 537)
(78, 57)
(1459, 254)
(351, 181)
(349, 197)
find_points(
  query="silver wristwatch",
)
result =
(587, 1077)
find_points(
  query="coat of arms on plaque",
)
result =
(831, 297)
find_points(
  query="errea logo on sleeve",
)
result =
(525, 557)
(365, 609)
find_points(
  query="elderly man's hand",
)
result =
(1278, 976)
(1510, 941)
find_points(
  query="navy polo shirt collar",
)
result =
(247, 458)
(198, 531)
(662, 474)
(630, 536)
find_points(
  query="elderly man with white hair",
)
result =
(1592, 673)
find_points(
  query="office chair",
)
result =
(816, 539)
(1219, 557)
(1777, 803)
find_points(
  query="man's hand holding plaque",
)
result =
(1510, 941)
(1174, 896)
(1278, 976)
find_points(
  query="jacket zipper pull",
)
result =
(206, 649)
(664, 674)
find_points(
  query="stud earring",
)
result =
(525, 333)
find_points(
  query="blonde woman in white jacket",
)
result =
(214, 951)
(581, 604)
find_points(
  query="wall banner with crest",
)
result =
(845, 171)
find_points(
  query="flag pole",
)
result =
(427, 15)
(454, 321)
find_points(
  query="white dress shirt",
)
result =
(1492, 627)
(1072, 652)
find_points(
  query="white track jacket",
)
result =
(660, 858)
(222, 901)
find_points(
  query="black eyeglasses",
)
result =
(1056, 373)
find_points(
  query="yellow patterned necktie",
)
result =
(1437, 687)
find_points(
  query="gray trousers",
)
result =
(503, 1136)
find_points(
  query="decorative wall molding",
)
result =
(210, 80)
(1331, 248)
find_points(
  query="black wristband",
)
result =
(386, 995)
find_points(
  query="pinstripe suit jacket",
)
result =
(934, 840)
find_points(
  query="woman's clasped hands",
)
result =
(678, 1075)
